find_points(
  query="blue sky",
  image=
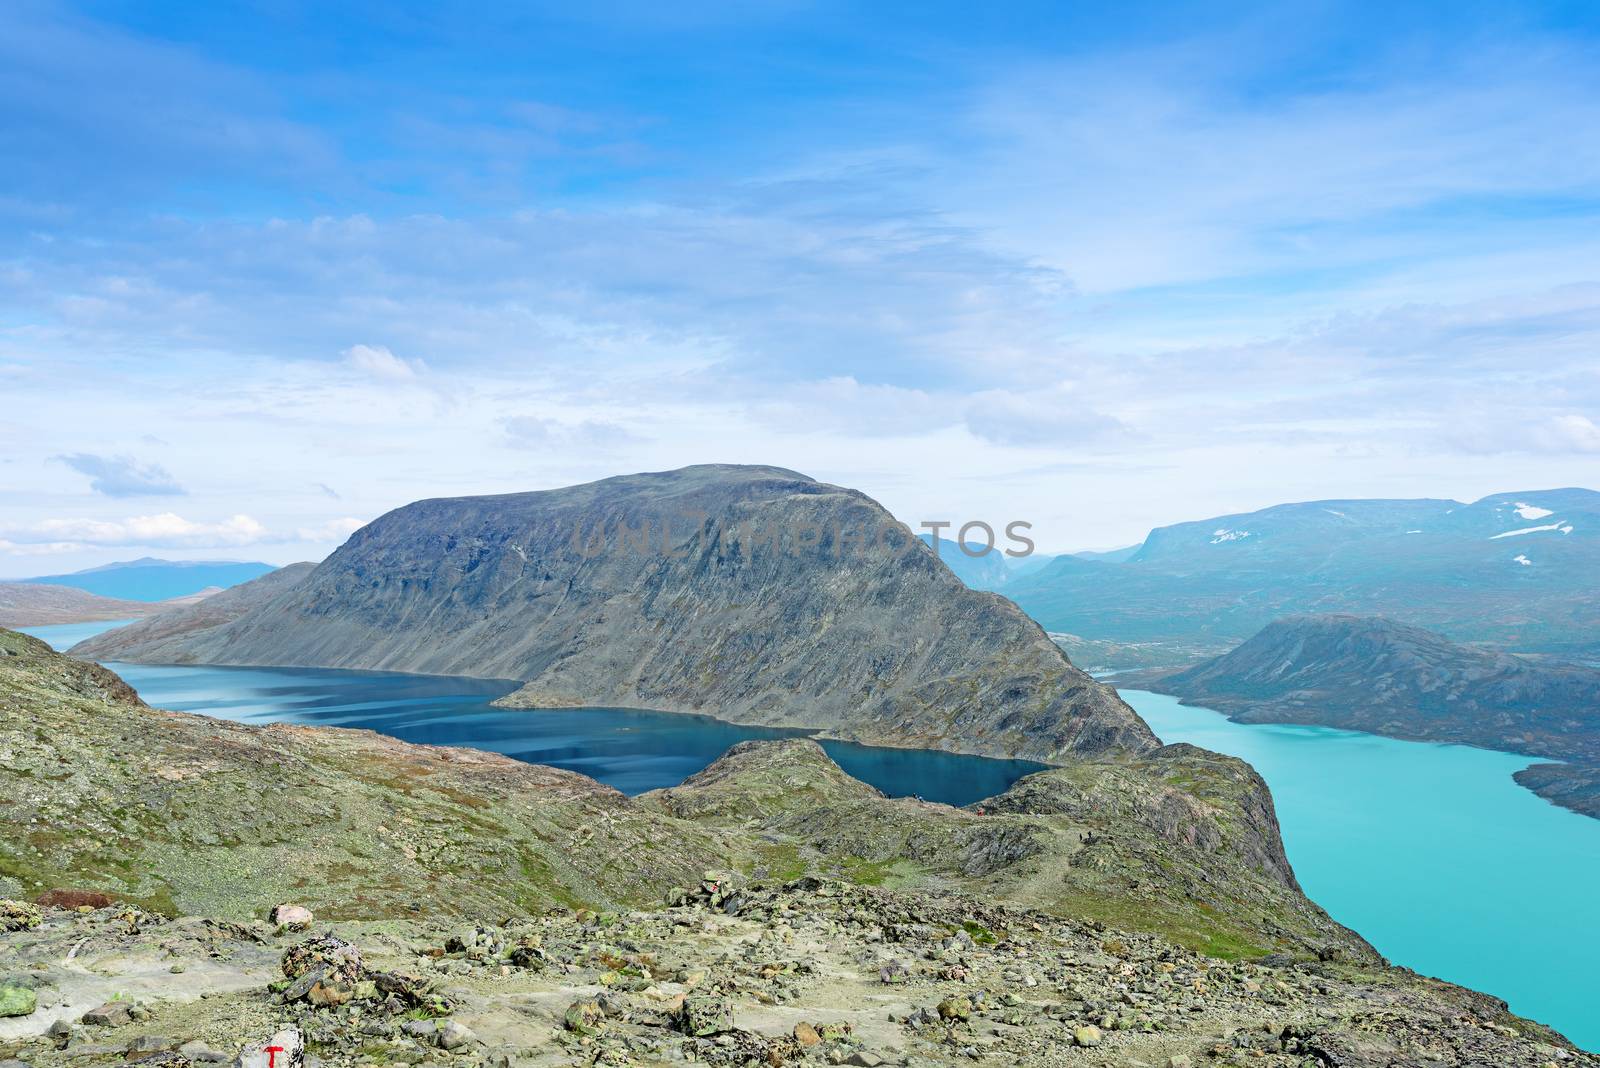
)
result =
(268, 270)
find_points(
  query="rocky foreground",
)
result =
(812, 972)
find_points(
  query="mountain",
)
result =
(166, 638)
(150, 579)
(26, 604)
(754, 594)
(1383, 677)
(988, 571)
(468, 902)
(1515, 570)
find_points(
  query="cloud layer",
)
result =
(1171, 270)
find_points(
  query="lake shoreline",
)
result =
(1399, 840)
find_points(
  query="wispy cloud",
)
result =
(123, 476)
(378, 362)
(165, 530)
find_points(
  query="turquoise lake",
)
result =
(1431, 852)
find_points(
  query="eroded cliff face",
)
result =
(754, 594)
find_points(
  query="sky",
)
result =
(268, 270)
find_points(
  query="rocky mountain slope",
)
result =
(750, 593)
(1387, 678)
(186, 812)
(478, 912)
(166, 639)
(25, 604)
(1515, 570)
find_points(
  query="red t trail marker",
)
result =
(272, 1055)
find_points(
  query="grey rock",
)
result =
(111, 1014)
(452, 1035)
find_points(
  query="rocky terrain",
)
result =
(181, 891)
(1383, 677)
(26, 604)
(165, 640)
(721, 973)
(190, 814)
(1516, 571)
(754, 594)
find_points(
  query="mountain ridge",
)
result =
(1510, 569)
(789, 602)
(1382, 677)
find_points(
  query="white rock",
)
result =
(285, 1049)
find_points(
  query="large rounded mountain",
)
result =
(754, 594)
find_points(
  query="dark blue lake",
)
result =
(629, 749)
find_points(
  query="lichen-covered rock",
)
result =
(584, 1017)
(705, 1014)
(19, 915)
(336, 958)
(17, 1000)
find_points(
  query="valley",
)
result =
(538, 916)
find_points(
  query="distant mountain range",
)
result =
(1388, 678)
(992, 570)
(1517, 570)
(150, 579)
(738, 600)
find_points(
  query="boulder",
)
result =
(17, 1000)
(704, 1014)
(19, 916)
(338, 958)
(111, 1014)
(285, 1049)
(584, 1017)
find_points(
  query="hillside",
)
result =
(768, 906)
(1387, 678)
(151, 579)
(1515, 570)
(26, 604)
(164, 639)
(759, 596)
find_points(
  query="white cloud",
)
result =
(378, 362)
(595, 434)
(1569, 433)
(1060, 416)
(166, 530)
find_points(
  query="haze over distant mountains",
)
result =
(863, 636)
(1517, 570)
(151, 579)
(28, 604)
